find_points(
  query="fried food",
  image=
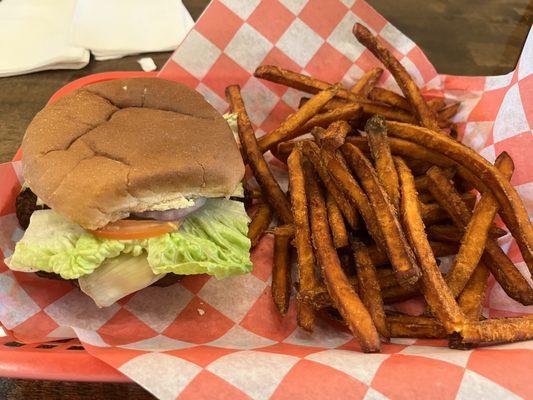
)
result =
(503, 269)
(376, 130)
(366, 83)
(513, 211)
(269, 187)
(287, 129)
(437, 294)
(281, 273)
(395, 243)
(342, 293)
(390, 98)
(260, 223)
(424, 114)
(369, 287)
(498, 330)
(302, 82)
(476, 233)
(333, 137)
(312, 152)
(408, 326)
(336, 223)
(471, 298)
(302, 237)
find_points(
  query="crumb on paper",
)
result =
(147, 64)
(200, 311)
(125, 87)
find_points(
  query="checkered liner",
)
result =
(205, 338)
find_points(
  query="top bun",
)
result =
(120, 146)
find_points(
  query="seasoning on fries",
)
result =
(398, 250)
(342, 293)
(260, 223)
(381, 154)
(302, 237)
(281, 273)
(369, 287)
(370, 212)
(425, 115)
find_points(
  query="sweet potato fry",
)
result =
(342, 293)
(436, 104)
(395, 243)
(333, 137)
(296, 120)
(476, 234)
(282, 230)
(505, 272)
(369, 288)
(513, 211)
(422, 181)
(449, 233)
(385, 276)
(449, 111)
(394, 294)
(302, 82)
(440, 249)
(302, 240)
(381, 154)
(407, 326)
(471, 298)
(337, 103)
(336, 223)
(281, 273)
(390, 98)
(389, 113)
(347, 112)
(312, 152)
(498, 330)
(410, 150)
(433, 213)
(289, 78)
(269, 187)
(319, 298)
(260, 223)
(424, 114)
(433, 286)
(367, 82)
(445, 233)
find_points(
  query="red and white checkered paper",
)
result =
(205, 338)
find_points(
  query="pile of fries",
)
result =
(380, 191)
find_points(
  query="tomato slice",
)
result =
(128, 229)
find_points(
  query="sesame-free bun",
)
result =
(120, 146)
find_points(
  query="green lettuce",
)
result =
(211, 240)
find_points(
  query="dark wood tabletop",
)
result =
(479, 37)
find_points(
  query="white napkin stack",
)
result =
(115, 28)
(37, 35)
(34, 35)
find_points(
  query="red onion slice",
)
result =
(173, 214)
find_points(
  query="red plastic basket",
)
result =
(65, 360)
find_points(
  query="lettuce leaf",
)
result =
(212, 240)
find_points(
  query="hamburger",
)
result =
(126, 182)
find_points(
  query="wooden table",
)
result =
(459, 37)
